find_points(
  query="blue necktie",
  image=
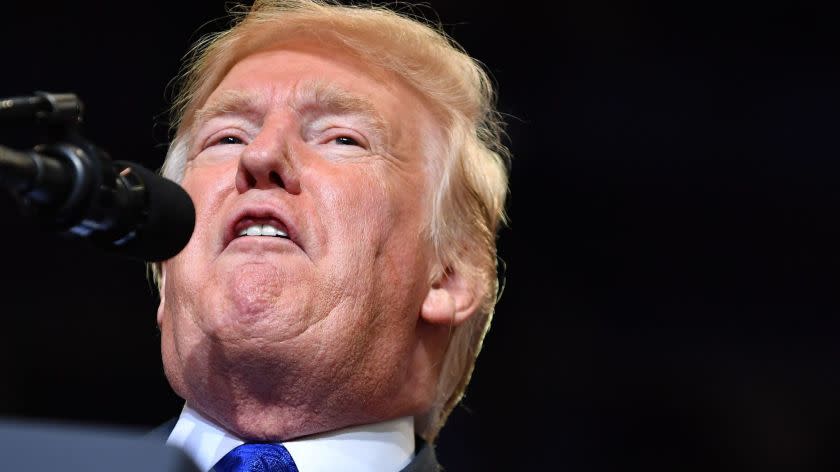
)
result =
(257, 457)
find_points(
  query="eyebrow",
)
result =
(329, 98)
(316, 96)
(228, 102)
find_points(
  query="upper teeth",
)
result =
(263, 230)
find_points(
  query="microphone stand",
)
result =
(83, 202)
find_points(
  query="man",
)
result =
(349, 179)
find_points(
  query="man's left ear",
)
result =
(451, 299)
(162, 292)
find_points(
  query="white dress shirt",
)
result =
(380, 447)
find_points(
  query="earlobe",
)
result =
(450, 300)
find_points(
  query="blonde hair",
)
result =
(470, 178)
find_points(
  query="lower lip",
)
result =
(273, 243)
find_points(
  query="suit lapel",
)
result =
(424, 458)
(163, 431)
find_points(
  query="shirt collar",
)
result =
(386, 446)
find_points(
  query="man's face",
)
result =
(331, 155)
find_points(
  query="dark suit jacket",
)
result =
(424, 457)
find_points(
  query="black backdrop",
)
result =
(671, 299)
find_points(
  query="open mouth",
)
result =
(258, 223)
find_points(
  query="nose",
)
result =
(266, 164)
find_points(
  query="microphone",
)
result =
(43, 107)
(118, 205)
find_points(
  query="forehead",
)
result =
(301, 74)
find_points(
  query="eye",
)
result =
(229, 140)
(346, 141)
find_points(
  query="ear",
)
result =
(162, 292)
(451, 300)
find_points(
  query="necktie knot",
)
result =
(257, 457)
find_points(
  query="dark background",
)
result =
(671, 298)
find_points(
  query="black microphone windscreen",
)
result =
(170, 221)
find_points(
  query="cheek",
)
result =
(359, 208)
(381, 223)
(208, 188)
(205, 183)
(205, 186)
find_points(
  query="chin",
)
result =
(251, 291)
(263, 422)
